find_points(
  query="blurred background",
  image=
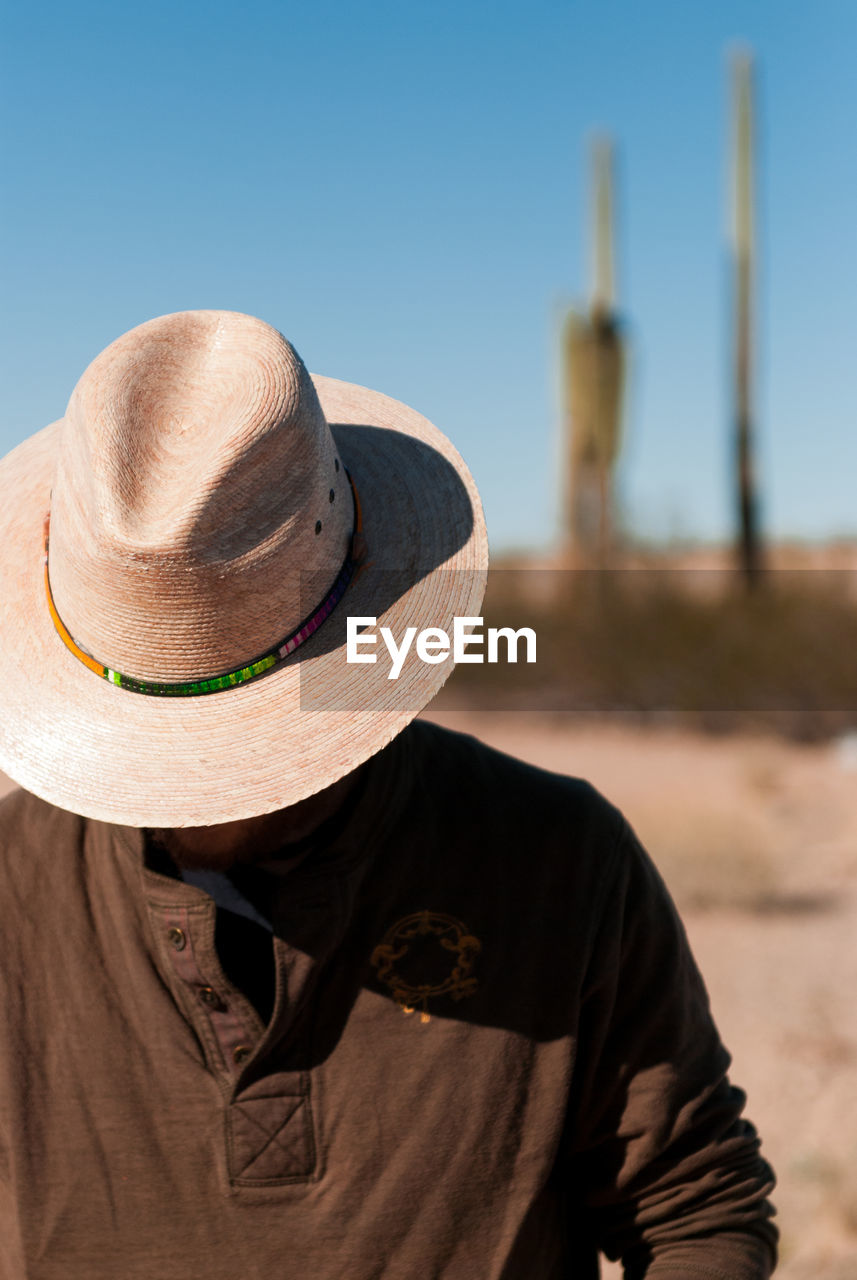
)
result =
(609, 249)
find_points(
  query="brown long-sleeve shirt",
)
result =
(489, 1053)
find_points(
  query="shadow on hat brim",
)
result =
(87, 746)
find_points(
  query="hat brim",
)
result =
(87, 746)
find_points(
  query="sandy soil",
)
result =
(758, 840)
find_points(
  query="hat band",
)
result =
(241, 675)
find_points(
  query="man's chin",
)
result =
(206, 848)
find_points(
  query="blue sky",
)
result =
(400, 188)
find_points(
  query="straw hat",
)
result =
(178, 657)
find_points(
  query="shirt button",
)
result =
(209, 997)
(241, 1053)
(177, 937)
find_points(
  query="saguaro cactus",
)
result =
(743, 276)
(593, 374)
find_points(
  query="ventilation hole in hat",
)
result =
(332, 496)
(336, 463)
(318, 526)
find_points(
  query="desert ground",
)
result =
(757, 839)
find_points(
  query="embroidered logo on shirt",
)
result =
(425, 955)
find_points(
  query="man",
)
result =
(292, 985)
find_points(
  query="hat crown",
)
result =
(197, 484)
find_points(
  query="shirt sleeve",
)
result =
(665, 1172)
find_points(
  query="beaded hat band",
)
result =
(268, 661)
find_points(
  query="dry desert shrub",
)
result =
(710, 859)
(654, 643)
